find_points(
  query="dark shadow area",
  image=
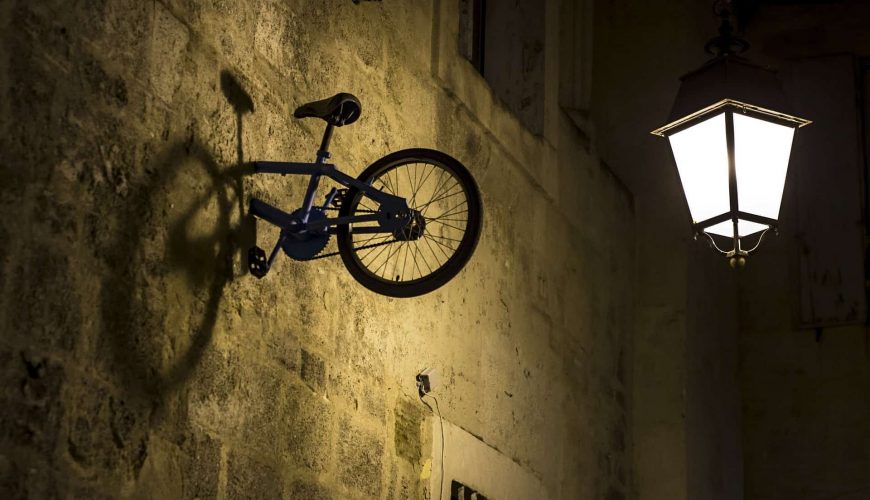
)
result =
(242, 104)
(235, 94)
(149, 352)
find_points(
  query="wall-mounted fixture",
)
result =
(384, 215)
(427, 380)
(731, 135)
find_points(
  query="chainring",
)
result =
(306, 246)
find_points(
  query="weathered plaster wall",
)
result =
(731, 398)
(686, 400)
(138, 357)
(806, 406)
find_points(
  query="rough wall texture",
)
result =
(806, 410)
(686, 399)
(139, 359)
(742, 402)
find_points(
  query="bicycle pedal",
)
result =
(258, 264)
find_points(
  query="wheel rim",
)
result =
(441, 201)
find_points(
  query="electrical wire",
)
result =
(441, 421)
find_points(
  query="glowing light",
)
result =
(701, 154)
(761, 151)
(744, 228)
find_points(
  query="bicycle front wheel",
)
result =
(435, 245)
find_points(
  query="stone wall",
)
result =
(806, 411)
(686, 393)
(734, 396)
(138, 357)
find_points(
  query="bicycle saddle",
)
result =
(340, 109)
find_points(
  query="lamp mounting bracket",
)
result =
(726, 42)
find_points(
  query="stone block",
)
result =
(307, 429)
(250, 479)
(106, 434)
(360, 458)
(408, 437)
(284, 348)
(103, 87)
(30, 399)
(306, 490)
(24, 479)
(200, 466)
(270, 37)
(358, 392)
(216, 378)
(44, 307)
(313, 370)
(168, 44)
(122, 33)
(403, 482)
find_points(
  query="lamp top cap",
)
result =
(731, 79)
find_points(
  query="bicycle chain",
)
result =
(333, 254)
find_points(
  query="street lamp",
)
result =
(731, 137)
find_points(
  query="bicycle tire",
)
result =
(453, 264)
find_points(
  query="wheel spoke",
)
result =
(366, 207)
(438, 185)
(373, 250)
(390, 260)
(376, 236)
(434, 254)
(416, 186)
(451, 211)
(422, 182)
(448, 225)
(437, 219)
(389, 188)
(442, 237)
(441, 188)
(386, 260)
(440, 247)
(410, 182)
(424, 207)
(417, 244)
(416, 264)
(405, 260)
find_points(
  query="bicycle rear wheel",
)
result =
(435, 245)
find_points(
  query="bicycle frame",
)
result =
(393, 209)
(391, 216)
(395, 229)
(391, 206)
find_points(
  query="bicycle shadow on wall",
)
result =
(180, 235)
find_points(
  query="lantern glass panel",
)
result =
(744, 228)
(701, 154)
(761, 152)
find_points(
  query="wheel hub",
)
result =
(413, 229)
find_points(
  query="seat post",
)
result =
(323, 153)
(322, 156)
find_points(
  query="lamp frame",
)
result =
(729, 107)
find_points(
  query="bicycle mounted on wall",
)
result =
(406, 225)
